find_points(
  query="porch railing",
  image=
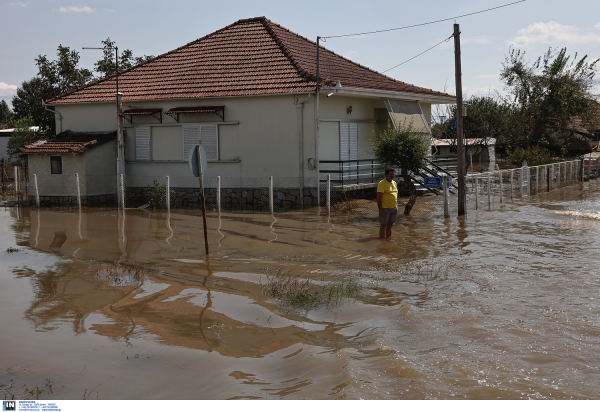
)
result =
(351, 172)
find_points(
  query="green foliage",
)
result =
(403, 147)
(27, 102)
(107, 65)
(22, 135)
(6, 115)
(534, 156)
(158, 195)
(548, 95)
(487, 117)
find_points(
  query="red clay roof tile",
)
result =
(70, 142)
(249, 57)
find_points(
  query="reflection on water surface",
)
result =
(501, 304)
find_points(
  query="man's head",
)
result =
(389, 174)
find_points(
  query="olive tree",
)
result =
(405, 148)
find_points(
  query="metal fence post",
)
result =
(122, 192)
(476, 192)
(78, 190)
(489, 181)
(500, 178)
(168, 194)
(511, 184)
(16, 179)
(328, 198)
(597, 167)
(271, 194)
(219, 194)
(537, 180)
(445, 186)
(37, 191)
(590, 166)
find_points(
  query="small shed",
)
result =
(71, 164)
(482, 150)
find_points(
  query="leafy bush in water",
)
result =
(158, 195)
(534, 156)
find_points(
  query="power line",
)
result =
(406, 61)
(423, 24)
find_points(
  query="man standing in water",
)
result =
(387, 201)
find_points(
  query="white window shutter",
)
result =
(344, 141)
(209, 139)
(353, 137)
(142, 143)
(191, 137)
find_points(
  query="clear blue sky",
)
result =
(30, 28)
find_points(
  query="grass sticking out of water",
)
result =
(12, 392)
(122, 275)
(299, 293)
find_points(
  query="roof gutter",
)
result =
(384, 94)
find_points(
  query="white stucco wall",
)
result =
(263, 142)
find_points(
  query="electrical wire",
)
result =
(414, 57)
(423, 24)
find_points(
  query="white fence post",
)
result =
(445, 186)
(37, 191)
(219, 194)
(16, 179)
(476, 192)
(328, 198)
(122, 192)
(489, 181)
(168, 194)
(590, 167)
(78, 190)
(271, 194)
(511, 184)
(500, 176)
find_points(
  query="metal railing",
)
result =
(351, 172)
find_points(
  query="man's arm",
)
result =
(379, 196)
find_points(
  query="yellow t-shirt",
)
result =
(389, 200)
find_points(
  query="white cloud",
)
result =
(350, 53)
(551, 33)
(19, 4)
(76, 9)
(7, 91)
(597, 26)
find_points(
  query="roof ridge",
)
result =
(104, 79)
(342, 57)
(303, 72)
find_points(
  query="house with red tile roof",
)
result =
(248, 94)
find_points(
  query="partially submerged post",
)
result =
(37, 191)
(197, 160)
(78, 191)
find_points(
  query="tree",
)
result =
(405, 148)
(487, 117)
(107, 65)
(6, 115)
(54, 78)
(22, 135)
(27, 102)
(548, 95)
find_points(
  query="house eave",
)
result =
(385, 94)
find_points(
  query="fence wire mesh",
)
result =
(281, 194)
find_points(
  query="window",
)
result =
(205, 134)
(56, 165)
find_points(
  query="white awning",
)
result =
(405, 112)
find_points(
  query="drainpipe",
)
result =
(55, 113)
(300, 107)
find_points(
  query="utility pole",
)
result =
(317, 120)
(120, 143)
(459, 124)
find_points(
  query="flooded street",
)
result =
(502, 304)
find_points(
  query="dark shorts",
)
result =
(389, 216)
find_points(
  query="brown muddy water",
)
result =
(503, 304)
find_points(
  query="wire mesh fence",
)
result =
(282, 194)
(13, 182)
